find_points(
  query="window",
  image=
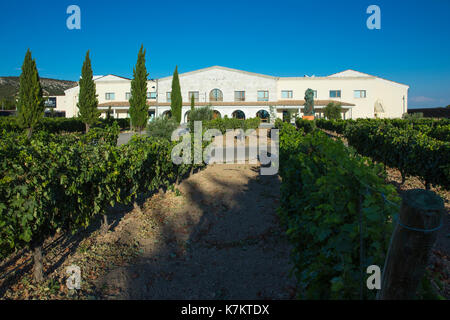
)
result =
(239, 96)
(286, 94)
(127, 95)
(215, 95)
(168, 96)
(263, 95)
(315, 94)
(335, 93)
(359, 93)
(151, 95)
(195, 94)
(109, 96)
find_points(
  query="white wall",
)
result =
(225, 80)
(229, 80)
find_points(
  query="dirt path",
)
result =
(218, 239)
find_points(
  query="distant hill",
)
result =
(9, 86)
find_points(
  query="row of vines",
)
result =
(58, 125)
(337, 224)
(411, 147)
(56, 182)
(437, 129)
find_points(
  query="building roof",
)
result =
(101, 77)
(354, 73)
(233, 103)
(222, 68)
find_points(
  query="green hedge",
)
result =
(411, 151)
(224, 124)
(438, 129)
(61, 182)
(307, 125)
(322, 185)
(58, 125)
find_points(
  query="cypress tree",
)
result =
(87, 99)
(192, 103)
(138, 100)
(176, 101)
(30, 104)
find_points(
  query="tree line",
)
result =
(31, 108)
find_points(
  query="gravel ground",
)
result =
(219, 240)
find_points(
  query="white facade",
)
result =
(361, 95)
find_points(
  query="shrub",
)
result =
(224, 124)
(333, 111)
(162, 127)
(415, 115)
(307, 125)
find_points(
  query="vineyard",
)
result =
(62, 182)
(415, 147)
(336, 208)
(335, 203)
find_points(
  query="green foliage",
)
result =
(337, 126)
(87, 99)
(30, 104)
(108, 135)
(58, 125)
(201, 114)
(410, 116)
(61, 182)
(291, 114)
(440, 132)
(333, 111)
(176, 102)
(307, 125)
(438, 129)
(224, 124)
(192, 103)
(7, 103)
(138, 101)
(161, 127)
(411, 151)
(323, 183)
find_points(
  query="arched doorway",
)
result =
(216, 114)
(239, 114)
(216, 95)
(263, 115)
(167, 114)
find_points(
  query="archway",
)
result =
(239, 114)
(167, 114)
(216, 114)
(263, 115)
(216, 95)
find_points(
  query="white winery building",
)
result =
(236, 93)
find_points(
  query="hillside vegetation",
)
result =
(9, 86)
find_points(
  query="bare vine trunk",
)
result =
(38, 273)
(105, 225)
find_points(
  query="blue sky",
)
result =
(282, 38)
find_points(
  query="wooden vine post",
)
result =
(413, 237)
